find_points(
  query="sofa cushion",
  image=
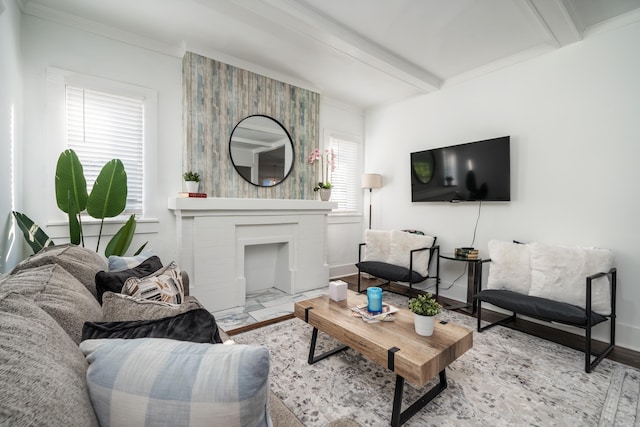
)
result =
(164, 285)
(196, 326)
(42, 371)
(81, 263)
(377, 245)
(167, 382)
(510, 266)
(539, 308)
(391, 272)
(113, 281)
(119, 307)
(119, 263)
(59, 294)
(401, 245)
(559, 273)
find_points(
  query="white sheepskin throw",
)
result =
(401, 245)
(377, 245)
(510, 267)
(559, 273)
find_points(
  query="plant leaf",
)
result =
(33, 234)
(74, 225)
(121, 241)
(140, 249)
(70, 180)
(108, 196)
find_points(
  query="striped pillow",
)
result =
(167, 382)
(164, 285)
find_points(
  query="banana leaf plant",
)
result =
(107, 199)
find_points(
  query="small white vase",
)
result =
(325, 194)
(192, 186)
(423, 324)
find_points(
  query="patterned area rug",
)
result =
(508, 378)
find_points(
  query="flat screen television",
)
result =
(467, 172)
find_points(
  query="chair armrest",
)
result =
(612, 275)
(360, 251)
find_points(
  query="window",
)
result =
(101, 126)
(344, 177)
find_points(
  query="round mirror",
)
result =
(261, 150)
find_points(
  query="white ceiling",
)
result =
(361, 52)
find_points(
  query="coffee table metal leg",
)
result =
(312, 349)
(397, 417)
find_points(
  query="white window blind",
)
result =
(102, 126)
(344, 180)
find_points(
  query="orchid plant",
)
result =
(327, 161)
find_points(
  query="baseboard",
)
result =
(337, 271)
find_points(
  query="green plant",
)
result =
(326, 185)
(425, 305)
(107, 199)
(191, 176)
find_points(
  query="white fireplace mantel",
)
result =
(213, 233)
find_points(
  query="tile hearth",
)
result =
(262, 305)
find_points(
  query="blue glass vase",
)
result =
(374, 300)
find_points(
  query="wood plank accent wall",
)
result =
(216, 96)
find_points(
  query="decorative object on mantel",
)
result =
(371, 181)
(327, 160)
(192, 181)
(195, 195)
(424, 308)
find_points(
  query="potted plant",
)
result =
(192, 181)
(327, 162)
(424, 308)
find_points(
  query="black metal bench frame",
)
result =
(587, 326)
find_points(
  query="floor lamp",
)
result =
(371, 181)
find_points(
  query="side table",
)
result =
(474, 277)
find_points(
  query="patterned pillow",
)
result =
(119, 263)
(119, 308)
(164, 285)
(226, 385)
(113, 281)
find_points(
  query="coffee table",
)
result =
(393, 345)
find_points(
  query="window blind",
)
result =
(344, 180)
(102, 126)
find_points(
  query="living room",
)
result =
(570, 113)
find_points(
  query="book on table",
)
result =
(188, 194)
(385, 316)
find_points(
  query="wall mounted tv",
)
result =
(474, 171)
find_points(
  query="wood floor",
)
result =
(619, 354)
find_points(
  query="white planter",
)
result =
(423, 324)
(192, 186)
(325, 194)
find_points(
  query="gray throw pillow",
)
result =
(59, 294)
(119, 307)
(81, 263)
(42, 371)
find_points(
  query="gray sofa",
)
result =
(49, 377)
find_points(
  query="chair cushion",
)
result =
(510, 266)
(196, 326)
(114, 281)
(389, 272)
(559, 273)
(401, 245)
(42, 371)
(539, 308)
(377, 245)
(152, 381)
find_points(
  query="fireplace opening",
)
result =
(267, 266)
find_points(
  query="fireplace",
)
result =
(216, 236)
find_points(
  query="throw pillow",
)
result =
(559, 273)
(164, 285)
(196, 326)
(113, 281)
(510, 266)
(119, 307)
(42, 372)
(81, 263)
(167, 382)
(401, 245)
(59, 294)
(377, 245)
(119, 263)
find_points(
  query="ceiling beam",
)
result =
(554, 16)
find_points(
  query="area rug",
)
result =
(508, 378)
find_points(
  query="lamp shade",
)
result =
(371, 180)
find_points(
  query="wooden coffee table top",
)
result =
(418, 359)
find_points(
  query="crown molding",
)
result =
(620, 21)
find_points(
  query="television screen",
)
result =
(473, 171)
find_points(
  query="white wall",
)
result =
(10, 132)
(575, 145)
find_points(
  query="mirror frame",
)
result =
(286, 134)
